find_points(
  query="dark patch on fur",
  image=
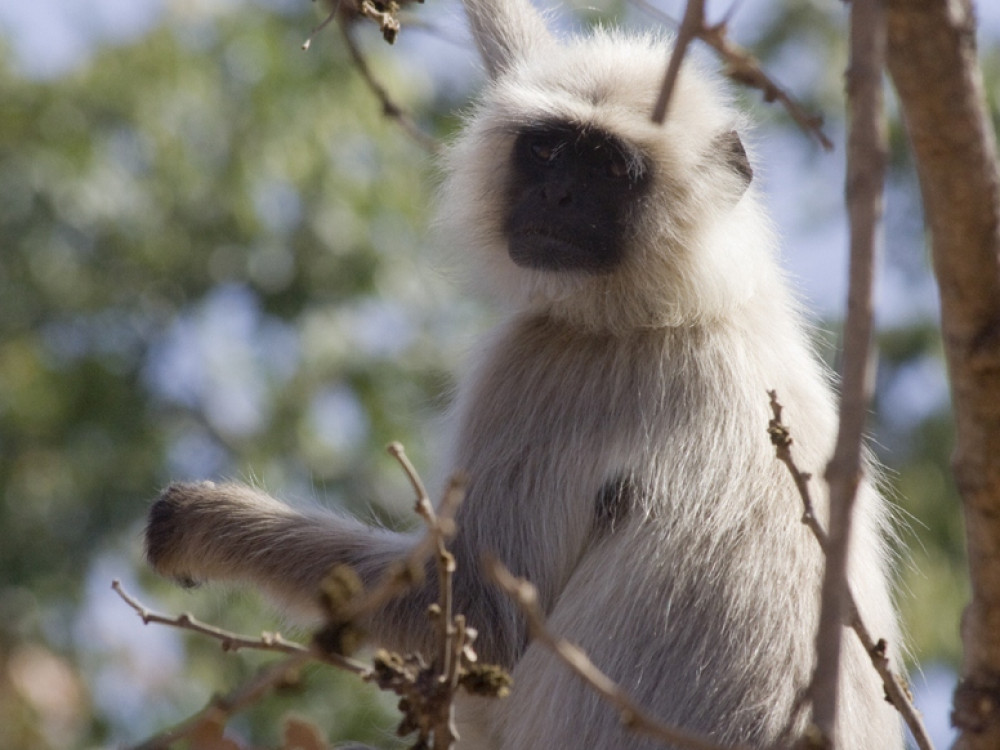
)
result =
(614, 503)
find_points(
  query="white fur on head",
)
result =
(700, 243)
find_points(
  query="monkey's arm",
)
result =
(231, 532)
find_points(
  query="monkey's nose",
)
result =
(557, 193)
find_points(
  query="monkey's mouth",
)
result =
(547, 249)
(539, 247)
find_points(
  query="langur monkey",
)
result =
(612, 427)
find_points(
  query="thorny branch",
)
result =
(525, 595)
(741, 66)
(895, 687)
(211, 720)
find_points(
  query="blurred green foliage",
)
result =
(213, 265)
(213, 262)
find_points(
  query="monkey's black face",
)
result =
(571, 196)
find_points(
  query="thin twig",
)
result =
(389, 108)
(634, 718)
(430, 691)
(445, 730)
(234, 641)
(321, 25)
(781, 439)
(451, 628)
(895, 687)
(410, 571)
(439, 529)
(741, 66)
(423, 508)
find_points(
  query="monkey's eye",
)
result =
(610, 159)
(617, 166)
(546, 151)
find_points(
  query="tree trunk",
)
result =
(933, 64)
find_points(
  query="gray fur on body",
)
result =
(614, 432)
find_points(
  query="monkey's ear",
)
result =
(505, 31)
(735, 156)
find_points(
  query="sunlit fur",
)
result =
(701, 596)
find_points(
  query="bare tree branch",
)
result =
(453, 635)
(933, 62)
(895, 687)
(410, 571)
(866, 160)
(389, 108)
(692, 25)
(234, 641)
(346, 13)
(741, 66)
(781, 439)
(428, 690)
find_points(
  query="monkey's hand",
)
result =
(165, 529)
(204, 530)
